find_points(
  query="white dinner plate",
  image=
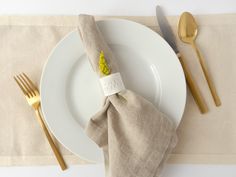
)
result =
(70, 90)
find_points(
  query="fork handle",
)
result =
(49, 138)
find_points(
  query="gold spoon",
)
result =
(187, 31)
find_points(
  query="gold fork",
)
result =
(33, 98)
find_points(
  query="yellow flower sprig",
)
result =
(103, 66)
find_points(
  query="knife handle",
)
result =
(193, 86)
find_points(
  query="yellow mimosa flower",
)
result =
(103, 66)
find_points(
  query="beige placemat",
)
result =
(25, 43)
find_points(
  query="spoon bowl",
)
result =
(187, 28)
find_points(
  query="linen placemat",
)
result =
(25, 44)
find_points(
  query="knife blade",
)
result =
(166, 29)
(170, 38)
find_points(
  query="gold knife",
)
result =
(169, 37)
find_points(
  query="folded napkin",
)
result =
(135, 136)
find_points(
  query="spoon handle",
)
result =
(207, 75)
(193, 86)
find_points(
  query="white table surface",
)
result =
(116, 7)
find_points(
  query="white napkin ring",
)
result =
(112, 84)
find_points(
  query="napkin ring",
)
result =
(112, 84)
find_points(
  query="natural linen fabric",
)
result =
(134, 135)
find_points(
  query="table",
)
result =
(116, 7)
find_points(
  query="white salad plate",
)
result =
(70, 89)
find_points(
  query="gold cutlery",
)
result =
(187, 31)
(33, 98)
(169, 37)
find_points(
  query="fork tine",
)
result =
(28, 84)
(21, 86)
(24, 85)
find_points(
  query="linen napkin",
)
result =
(135, 136)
